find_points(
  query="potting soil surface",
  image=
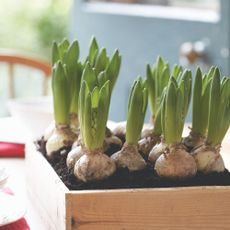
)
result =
(146, 178)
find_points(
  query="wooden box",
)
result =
(139, 209)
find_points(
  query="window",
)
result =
(194, 10)
(201, 4)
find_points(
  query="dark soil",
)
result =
(124, 179)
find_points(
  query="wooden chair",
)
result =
(12, 58)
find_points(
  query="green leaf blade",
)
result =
(61, 95)
(214, 108)
(136, 111)
(113, 68)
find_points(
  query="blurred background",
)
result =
(27, 29)
(195, 32)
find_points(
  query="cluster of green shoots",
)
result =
(98, 80)
(219, 109)
(67, 70)
(201, 94)
(67, 75)
(94, 107)
(66, 79)
(66, 64)
(170, 94)
(83, 90)
(211, 119)
(210, 113)
(157, 80)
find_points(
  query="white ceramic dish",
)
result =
(3, 176)
(33, 114)
(11, 209)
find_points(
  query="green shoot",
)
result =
(62, 47)
(200, 103)
(74, 72)
(101, 62)
(174, 108)
(55, 53)
(177, 71)
(94, 108)
(157, 79)
(68, 54)
(219, 109)
(75, 89)
(104, 68)
(113, 68)
(138, 101)
(61, 95)
(185, 84)
(158, 126)
(93, 52)
(89, 75)
(224, 108)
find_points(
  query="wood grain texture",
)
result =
(46, 189)
(174, 209)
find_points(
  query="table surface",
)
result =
(17, 182)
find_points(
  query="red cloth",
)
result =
(12, 150)
(18, 225)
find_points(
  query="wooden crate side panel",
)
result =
(46, 188)
(149, 210)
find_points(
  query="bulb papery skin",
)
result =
(147, 131)
(74, 123)
(73, 156)
(77, 142)
(49, 131)
(193, 140)
(62, 136)
(147, 143)
(208, 159)
(176, 164)
(129, 157)
(156, 151)
(111, 140)
(94, 166)
(120, 130)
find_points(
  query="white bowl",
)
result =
(33, 114)
(3, 176)
(11, 209)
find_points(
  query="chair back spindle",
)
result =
(12, 58)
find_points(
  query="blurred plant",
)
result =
(52, 24)
(33, 25)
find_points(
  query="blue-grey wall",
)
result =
(141, 39)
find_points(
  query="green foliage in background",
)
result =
(32, 25)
